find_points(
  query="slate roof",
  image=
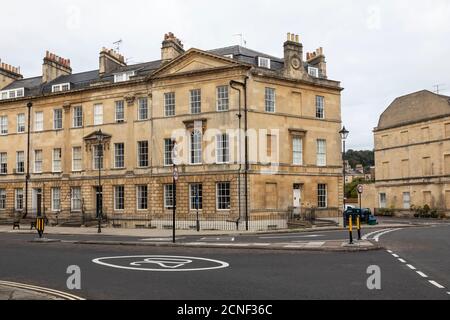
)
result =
(33, 86)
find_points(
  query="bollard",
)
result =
(358, 222)
(350, 228)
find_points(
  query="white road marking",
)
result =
(389, 251)
(448, 292)
(436, 284)
(55, 293)
(261, 244)
(401, 260)
(315, 243)
(423, 275)
(239, 244)
(293, 246)
(377, 237)
(289, 237)
(217, 239)
(154, 259)
(395, 255)
(161, 239)
(366, 236)
(411, 267)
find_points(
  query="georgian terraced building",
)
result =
(290, 107)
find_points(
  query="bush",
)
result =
(424, 212)
(384, 212)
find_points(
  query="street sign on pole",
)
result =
(175, 173)
(360, 188)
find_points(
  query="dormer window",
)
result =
(229, 56)
(11, 94)
(313, 72)
(123, 76)
(61, 87)
(264, 62)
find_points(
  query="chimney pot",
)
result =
(297, 38)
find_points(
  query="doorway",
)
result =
(36, 202)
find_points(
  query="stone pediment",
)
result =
(195, 60)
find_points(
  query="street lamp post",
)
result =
(99, 137)
(344, 134)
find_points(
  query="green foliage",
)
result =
(351, 191)
(364, 157)
(385, 212)
(425, 212)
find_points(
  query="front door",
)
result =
(99, 201)
(296, 196)
(36, 202)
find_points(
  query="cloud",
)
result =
(378, 49)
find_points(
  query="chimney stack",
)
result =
(317, 59)
(171, 47)
(8, 74)
(110, 60)
(54, 66)
(293, 57)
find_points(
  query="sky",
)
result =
(379, 50)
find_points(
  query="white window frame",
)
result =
(97, 156)
(319, 200)
(222, 150)
(270, 100)
(2, 198)
(39, 121)
(12, 94)
(142, 107)
(38, 161)
(166, 193)
(116, 198)
(57, 163)
(139, 149)
(195, 147)
(120, 155)
(98, 114)
(16, 199)
(123, 76)
(119, 104)
(73, 200)
(382, 204)
(264, 62)
(229, 56)
(313, 72)
(168, 153)
(53, 194)
(169, 104)
(195, 101)
(320, 107)
(75, 160)
(76, 117)
(222, 98)
(61, 87)
(321, 152)
(3, 163)
(297, 160)
(406, 204)
(138, 197)
(21, 123)
(3, 125)
(22, 157)
(218, 197)
(57, 120)
(192, 196)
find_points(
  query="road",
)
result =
(248, 274)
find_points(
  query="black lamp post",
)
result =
(344, 134)
(99, 137)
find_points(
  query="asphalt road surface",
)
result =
(243, 274)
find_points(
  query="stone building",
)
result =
(123, 119)
(412, 153)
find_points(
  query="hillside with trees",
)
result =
(364, 157)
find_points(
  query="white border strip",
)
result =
(56, 293)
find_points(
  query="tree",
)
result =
(364, 157)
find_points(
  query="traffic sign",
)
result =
(360, 188)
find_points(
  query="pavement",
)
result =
(13, 293)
